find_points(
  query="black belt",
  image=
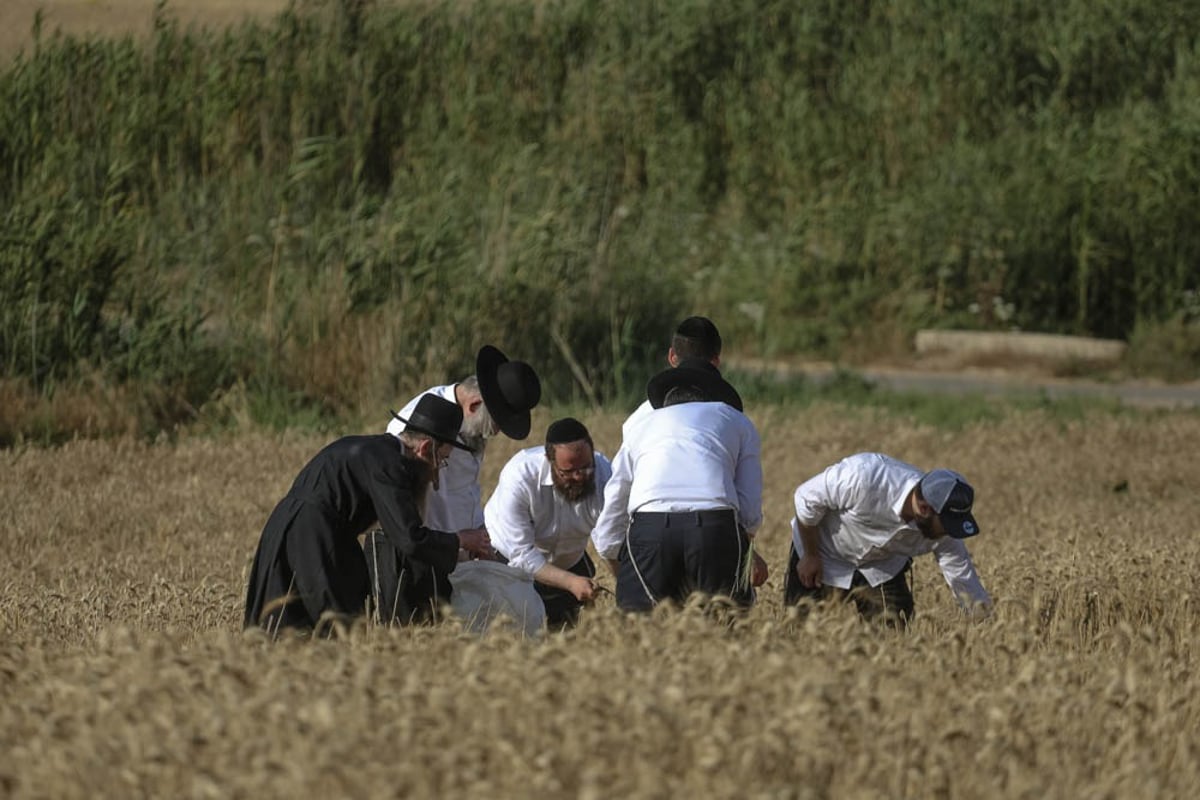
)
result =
(699, 518)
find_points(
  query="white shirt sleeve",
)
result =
(613, 523)
(959, 572)
(510, 518)
(748, 481)
(834, 488)
(812, 501)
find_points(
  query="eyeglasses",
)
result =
(578, 472)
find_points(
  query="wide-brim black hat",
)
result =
(693, 372)
(510, 390)
(437, 417)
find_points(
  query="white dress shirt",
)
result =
(639, 413)
(856, 506)
(686, 457)
(531, 523)
(456, 503)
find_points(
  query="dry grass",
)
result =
(123, 672)
(113, 18)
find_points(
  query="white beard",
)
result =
(477, 429)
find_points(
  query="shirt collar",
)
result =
(544, 476)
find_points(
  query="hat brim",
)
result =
(710, 382)
(418, 428)
(514, 423)
(959, 525)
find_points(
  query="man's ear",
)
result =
(473, 406)
(672, 357)
(924, 509)
(917, 504)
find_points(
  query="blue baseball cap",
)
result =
(951, 497)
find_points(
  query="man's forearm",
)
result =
(551, 575)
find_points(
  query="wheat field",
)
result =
(124, 672)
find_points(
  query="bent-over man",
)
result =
(496, 399)
(542, 511)
(680, 509)
(695, 338)
(859, 524)
(309, 563)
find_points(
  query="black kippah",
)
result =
(567, 429)
(698, 328)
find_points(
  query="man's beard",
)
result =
(573, 492)
(476, 429)
(925, 525)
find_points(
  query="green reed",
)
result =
(344, 201)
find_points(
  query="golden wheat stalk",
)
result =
(745, 579)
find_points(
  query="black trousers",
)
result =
(562, 609)
(404, 591)
(670, 556)
(890, 602)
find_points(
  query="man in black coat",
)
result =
(310, 568)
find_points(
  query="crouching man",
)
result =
(859, 524)
(542, 511)
(682, 505)
(309, 565)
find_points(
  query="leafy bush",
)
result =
(351, 198)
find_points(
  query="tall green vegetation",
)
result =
(331, 209)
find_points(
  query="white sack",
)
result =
(487, 590)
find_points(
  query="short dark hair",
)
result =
(566, 431)
(551, 448)
(684, 394)
(697, 337)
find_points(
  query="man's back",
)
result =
(696, 456)
(348, 475)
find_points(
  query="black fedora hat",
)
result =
(695, 372)
(510, 390)
(437, 417)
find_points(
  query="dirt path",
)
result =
(1142, 394)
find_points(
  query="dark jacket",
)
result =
(341, 493)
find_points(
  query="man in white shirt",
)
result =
(860, 522)
(498, 398)
(695, 338)
(542, 511)
(680, 508)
